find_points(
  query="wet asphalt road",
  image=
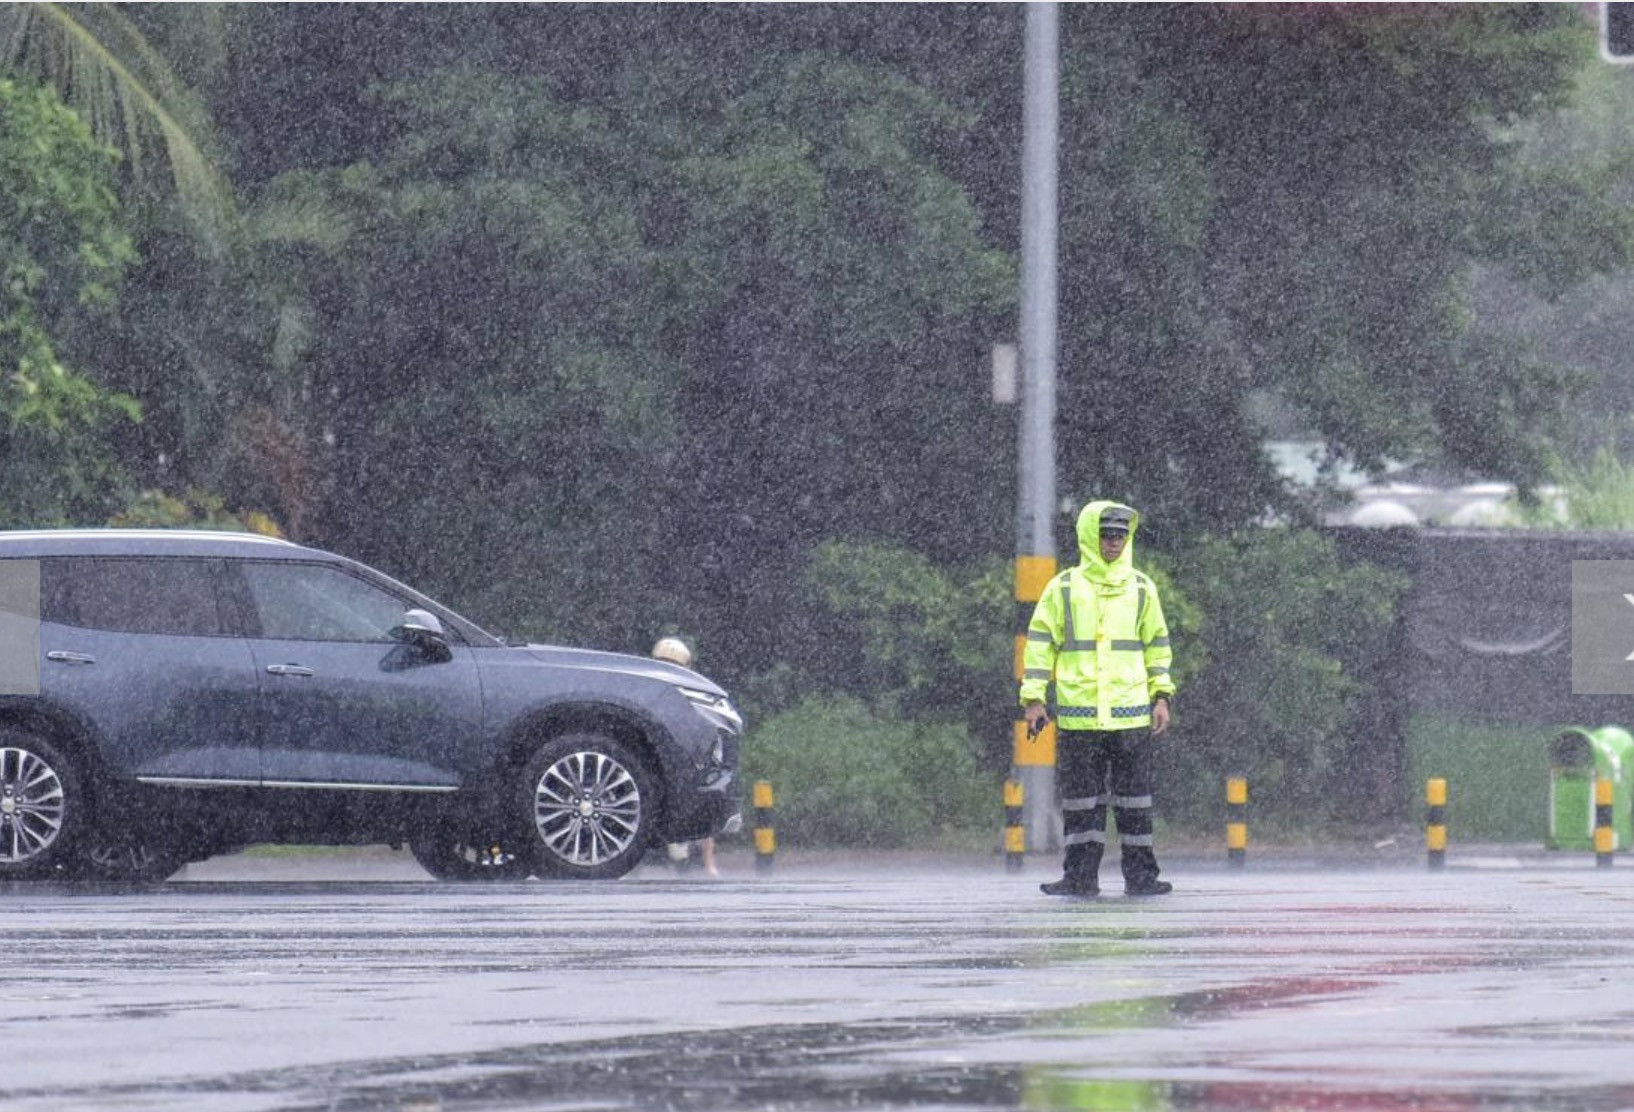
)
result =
(353, 982)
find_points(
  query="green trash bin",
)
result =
(1577, 758)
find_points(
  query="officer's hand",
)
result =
(1160, 716)
(1037, 717)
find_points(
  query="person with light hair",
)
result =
(675, 651)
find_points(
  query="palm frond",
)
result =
(108, 72)
(294, 217)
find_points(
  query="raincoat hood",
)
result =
(1089, 544)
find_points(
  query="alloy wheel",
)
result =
(33, 805)
(587, 808)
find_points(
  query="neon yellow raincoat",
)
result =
(1098, 632)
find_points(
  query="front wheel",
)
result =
(590, 804)
(42, 804)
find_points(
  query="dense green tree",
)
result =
(836, 380)
(1559, 287)
(1279, 199)
(202, 325)
(1287, 200)
(481, 372)
(526, 300)
(63, 252)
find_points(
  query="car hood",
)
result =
(624, 664)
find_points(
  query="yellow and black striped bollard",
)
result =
(1237, 821)
(765, 835)
(1435, 821)
(1015, 832)
(1605, 837)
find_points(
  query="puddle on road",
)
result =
(833, 1066)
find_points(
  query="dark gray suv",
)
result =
(166, 695)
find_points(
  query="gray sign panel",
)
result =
(19, 627)
(1603, 627)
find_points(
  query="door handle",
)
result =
(63, 657)
(289, 670)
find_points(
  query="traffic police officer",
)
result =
(1098, 632)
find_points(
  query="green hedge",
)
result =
(1497, 777)
(845, 776)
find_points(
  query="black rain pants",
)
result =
(1095, 768)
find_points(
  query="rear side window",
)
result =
(132, 595)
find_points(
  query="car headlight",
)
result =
(710, 703)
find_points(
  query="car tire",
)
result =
(43, 807)
(448, 857)
(590, 805)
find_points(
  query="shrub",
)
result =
(1290, 632)
(845, 776)
(196, 509)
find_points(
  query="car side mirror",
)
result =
(422, 630)
(421, 622)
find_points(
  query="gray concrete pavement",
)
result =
(350, 981)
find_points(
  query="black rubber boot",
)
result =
(1140, 873)
(1071, 886)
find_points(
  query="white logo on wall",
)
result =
(1601, 662)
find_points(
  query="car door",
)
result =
(138, 648)
(345, 702)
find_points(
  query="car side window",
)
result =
(177, 597)
(316, 602)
